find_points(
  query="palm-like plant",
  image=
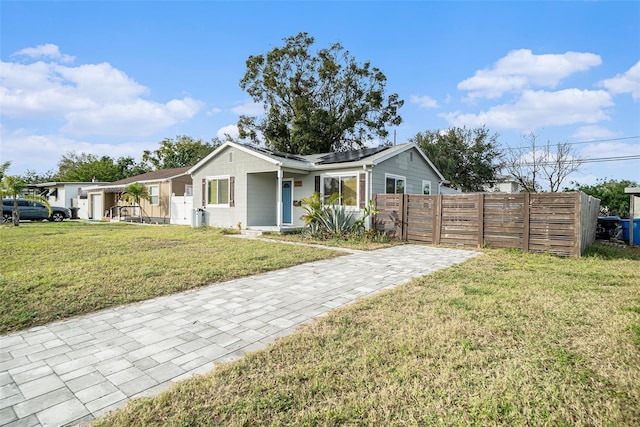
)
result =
(134, 193)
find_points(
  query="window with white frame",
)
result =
(395, 184)
(154, 194)
(426, 188)
(346, 186)
(188, 190)
(218, 190)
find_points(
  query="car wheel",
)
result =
(56, 217)
(6, 217)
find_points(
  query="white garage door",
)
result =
(96, 206)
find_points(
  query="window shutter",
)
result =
(317, 187)
(204, 192)
(232, 192)
(363, 190)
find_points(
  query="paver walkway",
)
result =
(72, 371)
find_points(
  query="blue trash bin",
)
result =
(636, 230)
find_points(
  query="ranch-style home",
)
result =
(244, 186)
(105, 200)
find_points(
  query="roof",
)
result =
(51, 184)
(153, 176)
(323, 161)
(632, 190)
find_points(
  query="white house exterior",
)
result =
(63, 194)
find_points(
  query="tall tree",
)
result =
(613, 199)
(468, 158)
(318, 102)
(33, 177)
(536, 167)
(85, 167)
(179, 152)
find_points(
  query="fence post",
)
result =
(437, 219)
(374, 219)
(525, 223)
(405, 217)
(577, 219)
(480, 220)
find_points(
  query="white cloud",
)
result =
(535, 109)
(249, 108)
(424, 101)
(590, 133)
(629, 82)
(231, 130)
(137, 118)
(95, 99)
(609, 149)
(41, 152)
(213, 111)
(521, 69)
(48, 50)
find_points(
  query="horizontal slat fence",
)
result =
(560, 223)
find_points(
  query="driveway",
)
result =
(75, 370)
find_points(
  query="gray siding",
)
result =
(261, 199)
(409, 164)
(240, 165)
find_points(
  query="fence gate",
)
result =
(180, 210)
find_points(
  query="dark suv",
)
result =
(34, 211)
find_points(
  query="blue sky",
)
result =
(116, 77)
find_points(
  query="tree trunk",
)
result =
(15, 214)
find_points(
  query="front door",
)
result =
(287, 201)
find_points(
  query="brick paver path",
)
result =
(75, 370)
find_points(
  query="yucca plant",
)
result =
(330, 219)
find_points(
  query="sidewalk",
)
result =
(73, 371)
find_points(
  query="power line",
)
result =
(591, 160)
(576, 143)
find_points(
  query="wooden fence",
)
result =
(560, 223)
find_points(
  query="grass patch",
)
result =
(363, 242)
(507, 338)
(52, 271)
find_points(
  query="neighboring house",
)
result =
(105, 200)
(63, 194)
(503, 184)
(245, 186)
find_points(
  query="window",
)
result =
(188, 190)
(395, 184)
(154, 193)
(218, 191)
(426, 188)
(345, 186)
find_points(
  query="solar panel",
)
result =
(350, 156)
(275, 153)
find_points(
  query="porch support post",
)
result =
(279, 201)
(369, 193)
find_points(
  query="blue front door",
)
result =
(286, 202)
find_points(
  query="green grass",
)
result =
(53, 271)
(504, 339)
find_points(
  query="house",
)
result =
(105, 200)
(240, 185)
(503, 184)
(62, 194)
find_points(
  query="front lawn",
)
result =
(51, 271)
(507, 339)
